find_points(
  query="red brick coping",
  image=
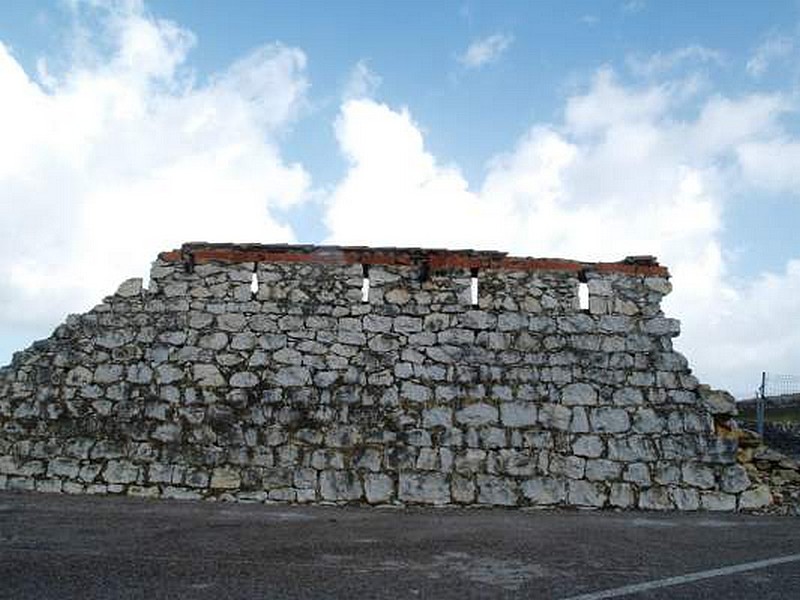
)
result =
(203, 252)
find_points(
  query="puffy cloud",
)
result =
(121, 154)
(772, 49)
(363, 82)
(486, 50)
(663, 62)
(625, 172)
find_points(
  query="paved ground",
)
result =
(91, 547)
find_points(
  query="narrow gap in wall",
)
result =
(146, 281)
(254, 281)
(473, 287)
(365, 283)
(583, 295)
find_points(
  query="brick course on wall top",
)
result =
(333, 374)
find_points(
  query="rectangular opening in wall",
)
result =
(365, 283)
(254, 283)
(583, 295)
(473, 288)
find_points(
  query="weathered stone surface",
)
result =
(476, 415)
(340, 485)
(698, 475)
(581, 394)
(226, 479)
(734, 479)
(717, 501)
(518, 414)
(378, 488)
(589, 446)
(497, 491)
(544, 490)
(555, 416)
(656, 498)
(609, 420)
(424, 488)
(622, 496)
(302, 392)
(758, 497)
(586, 493)
(120, 471)
(244, 379)
(717, 402)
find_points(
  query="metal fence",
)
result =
(776, 390)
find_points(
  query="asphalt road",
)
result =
(104, 547)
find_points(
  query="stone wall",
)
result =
(199, 387)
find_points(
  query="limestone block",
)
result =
(698, 475)
(424, 488)
(685, 498)
(476, 415)
(662, 326)
(586, 493)
(638, 473)
(108, 373)
(580, 420)
(656, 498)
(555, 416)
(340, 486)
(717, 402)
(292, 376)
(718, 501)
(232, 322)
(544, 490)
(496, 490)
(438, 416)
(628, 397)
(414, 392)
(579, 394)
(646, 420)
(113, 339)
(244, 379)
(634, 448)
(601, 469)
(609, 420)
(207, 375)
(63, 467)
(120, 471)
(493, 437)
(517, 414)
(378, 488)
(462, 489)
(734, 479)
(622, 495)
(166, 374)
(130, 288)
(755, 498)
(79, 376)
(168, 433)
(224, 478)
(589, 446)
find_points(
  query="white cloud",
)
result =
(774, 48)
(486, 50)
(625, 172)
(363, 82)
(660, 63)
(633, 6)
(120, 155)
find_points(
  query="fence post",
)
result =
(760, 402)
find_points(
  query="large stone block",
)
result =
(424, 488)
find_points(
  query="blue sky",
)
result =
(584, 129)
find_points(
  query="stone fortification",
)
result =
(301, 391)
